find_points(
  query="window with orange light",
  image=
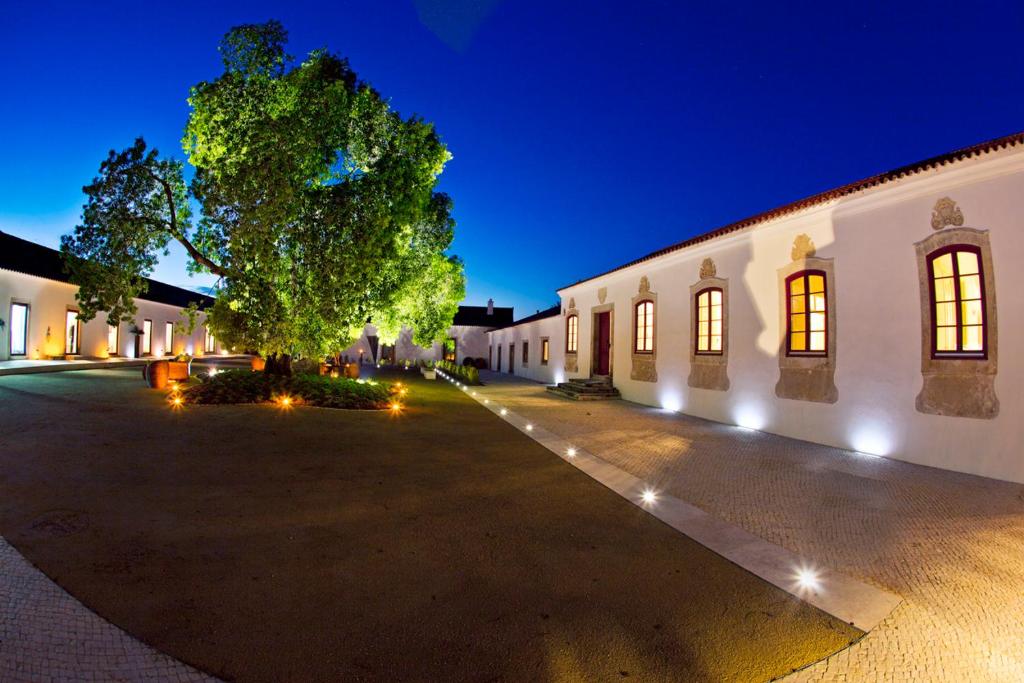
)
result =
(643, 338)
(709, 321)
(572, 333)
(807, 314)
(957, 291)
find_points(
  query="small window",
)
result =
(449, 349)
(112, 339)
(806, 314)
(644, 336)
(210, 344)
(147, 337)
(545, 351)
(168, 338)
(72, 333)
(709, 321)
(526, 353)
(490, 356)
(19, 329)
(958, 302)
(511, 358)
(571, 333)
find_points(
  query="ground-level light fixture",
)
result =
(529, 428)
(504, 412)
(649, 497)
(808, 579)
(396, 407)
(571, 452)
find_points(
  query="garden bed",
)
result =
(244, 386)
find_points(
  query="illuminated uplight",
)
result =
(870, 441)
(529, 428)
(176, 401)
(649, 497)
(285, 401)
(213, 371)
(396, 407)
(749, 417)
(671, 401)
(487, 400)
(571, 452)
(504, 412)
(807, 579)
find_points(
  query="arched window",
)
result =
(572, 324)
(958, 302)
(806, 314)
(643, 337)
(709, 321)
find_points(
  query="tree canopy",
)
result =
(317, 208)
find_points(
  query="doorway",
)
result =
(602, 344)
(511, 359)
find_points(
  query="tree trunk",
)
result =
(279, 364)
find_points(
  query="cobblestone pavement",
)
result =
(47, 635)
(951, 544)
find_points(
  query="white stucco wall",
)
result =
(470, 341)
(871, 236)
(48, 302)
(532, 332)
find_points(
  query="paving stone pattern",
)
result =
(952, 545)
(46, 635)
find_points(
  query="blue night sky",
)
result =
(571, 124)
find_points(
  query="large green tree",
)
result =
(317, 208)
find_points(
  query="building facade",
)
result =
(868, 317)
(40, 314)
(466, 338)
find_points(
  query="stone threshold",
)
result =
(857, 603)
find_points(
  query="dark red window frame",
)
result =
(805, 276)
(958, 354)
(696, 322)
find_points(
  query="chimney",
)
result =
(490, 307)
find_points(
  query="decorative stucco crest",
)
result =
(708, 269)
(602, 294)
(946, 213)
(645, 285)
(803, 247)
(572, 302)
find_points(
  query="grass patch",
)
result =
(244, 386)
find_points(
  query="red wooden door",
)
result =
(604, 342)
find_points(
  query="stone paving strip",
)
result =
(845, 598)
(951, 545)
(47, 635)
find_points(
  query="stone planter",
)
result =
(179, 370)
(428, 373)
(351, 370)
(258, 364)
(156, 374)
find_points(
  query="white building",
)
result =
(466, 338)
(41, 322)
(865, 317)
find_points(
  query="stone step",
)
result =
(565, 391)
(588, 388)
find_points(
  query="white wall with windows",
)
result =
(40, 322)
(845, 366)
(538, 335)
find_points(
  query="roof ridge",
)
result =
(957, 155)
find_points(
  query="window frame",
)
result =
(959, 354)
(545, 350)
(24, 331)
(805, 276)
(209, 341)
(572, 333)
(168, 338)
(636, 326)
(147, 337)
(696, 322)
(526, 352)
(117, 339)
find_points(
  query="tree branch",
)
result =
(177, 234)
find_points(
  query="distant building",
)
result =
(864, 317)
(40, 314)
(466, 338)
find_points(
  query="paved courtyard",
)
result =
(951, 545)
(257, 543)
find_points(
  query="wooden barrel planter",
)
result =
(258, 363)
(156, 374)
(351, 370)
(179, 370)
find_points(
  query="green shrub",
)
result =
(465, 373)
(243, 386)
